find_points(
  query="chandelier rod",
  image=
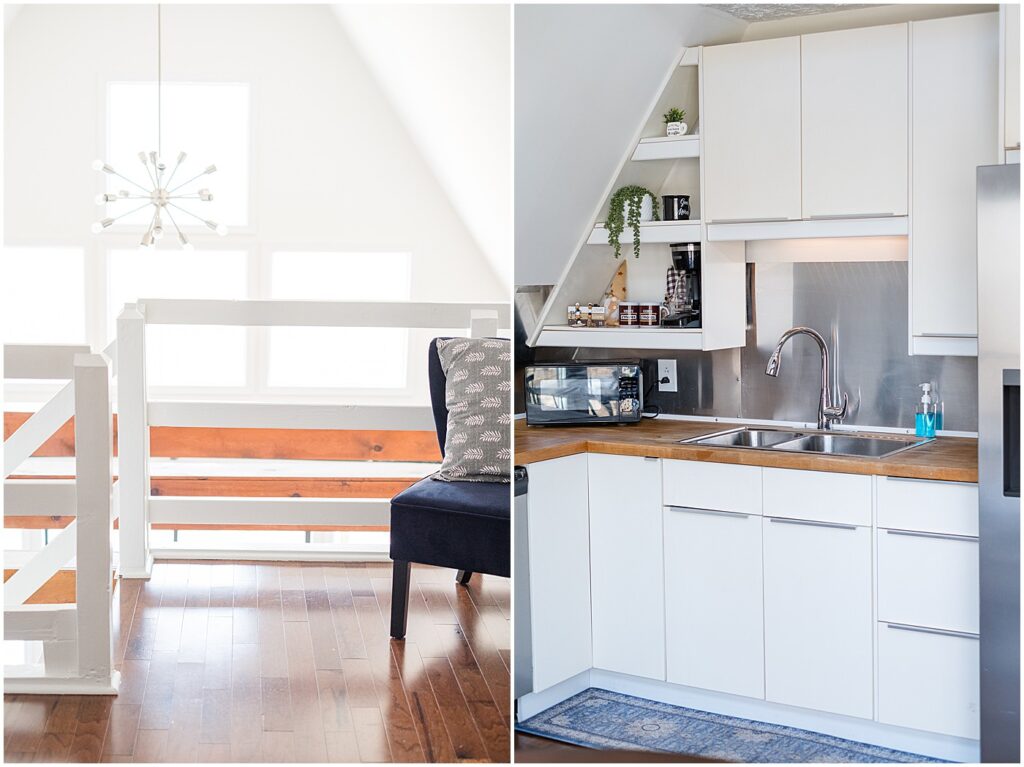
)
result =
(159, 79)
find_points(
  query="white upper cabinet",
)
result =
(751, 131)
(1011, 81)
(958, 56)
(855, 122)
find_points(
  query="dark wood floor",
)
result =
(531, 749)
(269, 662)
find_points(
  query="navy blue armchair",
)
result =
(462, 525)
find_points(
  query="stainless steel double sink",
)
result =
(813, 442)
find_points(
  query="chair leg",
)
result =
(462, 577)
(400, 598)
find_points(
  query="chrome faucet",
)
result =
(828, 411)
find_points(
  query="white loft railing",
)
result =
(77, 639)
(136, 414)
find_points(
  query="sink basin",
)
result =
(747, 438)
(842, 444)
(803, 442)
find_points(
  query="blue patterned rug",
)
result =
(602, 719)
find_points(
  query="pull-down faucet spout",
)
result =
(828, 411)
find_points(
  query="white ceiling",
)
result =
(754, 12)
(446, 69)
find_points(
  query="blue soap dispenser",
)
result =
(924, 421)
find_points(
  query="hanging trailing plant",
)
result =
(624, 208)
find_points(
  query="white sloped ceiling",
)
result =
(446, 71)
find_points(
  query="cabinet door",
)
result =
(817, 616)
(713, 600)
(928, 680)
(1011, 82)
(626, 572)
(751, 130)
(947, 151)
(855, 122)
(559, 569)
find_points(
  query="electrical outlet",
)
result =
(667, 379)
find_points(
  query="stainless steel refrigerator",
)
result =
(999, 458)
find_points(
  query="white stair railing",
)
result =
(136, 414)
(77, 639)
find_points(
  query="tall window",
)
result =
(43, 295)
(345, 358)
(209, 121)
(183, 355)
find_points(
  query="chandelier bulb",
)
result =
(210, 169)
(102, 199)
(222, 230)
(181, 157)
(96, 228)
(100, 165)
(123, 193)
(147, 239)
(152, 158)
(205, 195)
(185, 244)
(143, 159)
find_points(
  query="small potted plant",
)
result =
(674, 125)
(629, 205)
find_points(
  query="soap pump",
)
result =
(924, 421)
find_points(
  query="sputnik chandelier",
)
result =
(159, 194)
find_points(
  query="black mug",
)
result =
(676, 207)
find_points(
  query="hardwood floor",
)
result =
(272, 662)
(531, 749)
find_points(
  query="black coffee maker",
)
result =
(682, 287)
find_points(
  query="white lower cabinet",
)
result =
(559, 569)
(626, 565)
(713, 600)
(817, 616)
(928, 679)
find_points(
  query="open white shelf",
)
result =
(622, 338)
(651, 233)
(667, 148)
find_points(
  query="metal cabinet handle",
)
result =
(711, 512)
(750, 220)
(939, 632)
(809, 523)
(930, 481)
(884, 214)
(942, 536)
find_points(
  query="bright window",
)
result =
(183, 355)
(208, 121)
(339, 357)
(43, 295)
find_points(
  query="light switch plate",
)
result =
(667, 369)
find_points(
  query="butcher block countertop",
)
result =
(952, 459)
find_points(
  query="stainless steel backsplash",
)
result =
(860, 307)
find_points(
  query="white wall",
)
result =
(333, 164)
(585, 78)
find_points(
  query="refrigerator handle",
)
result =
(1011, 433)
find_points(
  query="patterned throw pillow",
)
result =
(478, 391)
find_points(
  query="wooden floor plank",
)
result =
(455, 711)
(246, 704)
(186, 713)
(437, 745)
(213, 671)
(307, 721)
(321, 622)
(122, 729)
(93, 717)
(273, 662)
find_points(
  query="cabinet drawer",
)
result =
(931, 507)
(718, 486)
(928, 579)
(928, 681)
(817, 495)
